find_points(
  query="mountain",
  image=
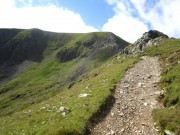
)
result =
(43, 72)
(18, 46)
(61, 83)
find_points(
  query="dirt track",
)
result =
(135, 99)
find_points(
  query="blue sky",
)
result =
(93, 12)
(128, 19)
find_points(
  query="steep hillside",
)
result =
(44, 72)
(59, 83)
(17, 46)
(64, 57)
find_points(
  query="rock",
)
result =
(121, 91)
(112, 114)
(138, 131)
(145, 104)
(168, 132)
(64, 109)
(28, 111)
(139, 84)
(153, 103)
(157, 92)
(112, 132)
(42, 108)
(121, 114)
(64, 114)
(53, 108)
(89, 85)
(84, 95)
(122, 130)
(109, 65)
(126, 86)
(48, 110)
(149, 76)
(144, 124)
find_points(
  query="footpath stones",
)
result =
(135, 97)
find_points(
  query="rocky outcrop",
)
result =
(107, 46)
(152, 37)
(67, 54)
(93, 47)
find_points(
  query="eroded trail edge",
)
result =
(135, 96)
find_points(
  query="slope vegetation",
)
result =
(169, 53)
(54, 83)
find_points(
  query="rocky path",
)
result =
(135, 99)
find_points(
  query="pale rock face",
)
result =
(149, 38)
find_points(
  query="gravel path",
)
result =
(135, 99)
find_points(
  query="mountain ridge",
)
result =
(43, 72)
(18, 45)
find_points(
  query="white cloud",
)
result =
(168, 21)
(126, 27)
(123, 24)
(162, 15)
(50, 18)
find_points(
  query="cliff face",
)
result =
(93, 47)
(21, 45)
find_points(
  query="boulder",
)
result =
(64, 109)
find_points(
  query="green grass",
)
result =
(169, 53)
(22, 34)
(39, 84)
(52, 83)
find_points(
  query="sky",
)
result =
(128, 19)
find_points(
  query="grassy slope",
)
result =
(32, 99)
(169, 52)
(44, 79)
(34, 120)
